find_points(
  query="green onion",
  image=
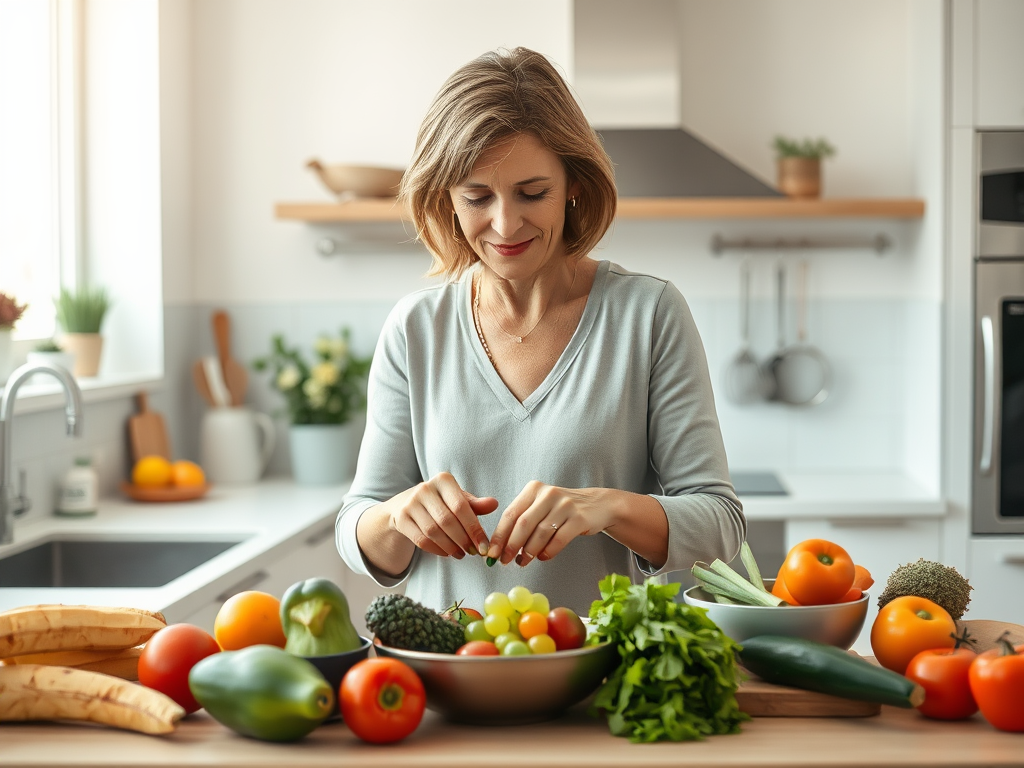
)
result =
(753, 572)
(730, 584)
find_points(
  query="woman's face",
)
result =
(512, 206)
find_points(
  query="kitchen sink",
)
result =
(106, 563)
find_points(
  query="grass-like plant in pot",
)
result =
(799, 164)
(80, 314)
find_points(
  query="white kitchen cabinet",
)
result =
(999, 56)
(995, 568)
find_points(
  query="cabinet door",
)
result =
(1000, 62)
(995, 568)
(880, 545)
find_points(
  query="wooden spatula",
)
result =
(147, 431)
(236, 378)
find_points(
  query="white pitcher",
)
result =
(235, 445)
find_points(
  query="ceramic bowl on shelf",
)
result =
(358, 180)
(508, 690)
(837, 624)
(164, 492)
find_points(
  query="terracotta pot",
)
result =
(86, 347)
(800, 176)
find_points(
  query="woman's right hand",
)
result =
(439, 517)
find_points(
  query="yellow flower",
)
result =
(323, 346)
(288, 377)
(338, 349)
(316, 392)
(325, 373)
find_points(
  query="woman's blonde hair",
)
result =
(490, 99)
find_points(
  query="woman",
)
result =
(540, 407)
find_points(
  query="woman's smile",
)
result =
(511, 249)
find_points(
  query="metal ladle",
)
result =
(743, 376)
(801, 371)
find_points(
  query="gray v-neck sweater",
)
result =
(628, 405)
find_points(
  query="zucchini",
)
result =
(824, 668)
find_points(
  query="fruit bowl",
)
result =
(508, 690)
(164, 492)
(838, 624)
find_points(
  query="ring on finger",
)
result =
(555, 526)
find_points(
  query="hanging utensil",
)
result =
(743, 376)
(803, 374)
(769, 384)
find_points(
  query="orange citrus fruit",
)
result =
(249, 618)
(152, 472)
(187, 474)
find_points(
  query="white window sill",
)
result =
(48, 394)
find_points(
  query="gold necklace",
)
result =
(520, 338)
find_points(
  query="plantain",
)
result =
(41, 628)
(123, 663)
(42, 692)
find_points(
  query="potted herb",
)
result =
(799, 165)
(10, 313)
(50, 351)
(323, 396)
(80, 313)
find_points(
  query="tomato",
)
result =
(478, 648)
(862, 578)
(852, 595)
(532, 623)
(382, 700)
(566, 629)
(780, 591)
(169, 656)
(249, 618)
(817, 572)
(943, 673)
(908, 625)
(997, 682)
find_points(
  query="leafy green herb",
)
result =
(678, 676)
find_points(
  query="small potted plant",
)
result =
(80, 313)
(322, 397)
(10, 313)
(799, 165)
(49, 351)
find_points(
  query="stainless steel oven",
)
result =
(998, 487)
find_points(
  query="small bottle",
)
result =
(79, 491)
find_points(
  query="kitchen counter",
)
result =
(893, 738)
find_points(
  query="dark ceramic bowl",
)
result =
(334, 666)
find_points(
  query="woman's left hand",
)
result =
(543, 519)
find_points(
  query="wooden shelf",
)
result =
(649, 208)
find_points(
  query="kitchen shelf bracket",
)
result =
(879, 244)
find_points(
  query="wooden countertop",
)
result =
(894, 738)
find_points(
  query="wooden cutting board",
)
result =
(147, 432)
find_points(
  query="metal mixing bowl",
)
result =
(508, 690)
(838, 624)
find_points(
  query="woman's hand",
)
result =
(439, 517)
(543, 519)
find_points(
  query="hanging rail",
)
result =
(879, 244)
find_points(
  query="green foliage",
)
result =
(678, 676)
(81, 311)
(329, 390)
(49, 345)
(807, 148)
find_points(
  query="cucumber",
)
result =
(824, 668)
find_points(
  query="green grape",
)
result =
(477, 630)
(504, 639)
(521, 598)
(541, 644)
(498, 603)
(516, 648)
(513, 623)
(540, 604)
(496, 624)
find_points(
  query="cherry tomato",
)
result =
(943, 673)
(566, 629)
(169, 656)
(997, 682)
(817, 572)
(908, 625)
(382, 700)
(478, 648)
(532, 623)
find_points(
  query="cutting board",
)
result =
(147, 432)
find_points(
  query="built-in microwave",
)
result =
(998, 477)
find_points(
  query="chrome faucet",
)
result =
(14, 504)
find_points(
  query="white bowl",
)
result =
(838, 624)
(358, 180)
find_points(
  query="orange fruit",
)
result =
(249, 618)
(152, 472)
(187, 474)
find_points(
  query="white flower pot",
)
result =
(65, 360)
(6, 355)
(324, 454)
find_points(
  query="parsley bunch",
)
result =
(678, 676)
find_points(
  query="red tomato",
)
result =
(169, 656)
(382, 700)
(997, 682)
(818, 572)
(566, 629)
(943, 673)
(478, 648)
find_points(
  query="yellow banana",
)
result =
(41, 692)
(41, 628)
(123, 663)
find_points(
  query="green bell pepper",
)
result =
(262, 691)
(316, 621)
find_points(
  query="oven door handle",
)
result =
(989, 370)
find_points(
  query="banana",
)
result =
(40, 628)
(41, 692)
(123, 663)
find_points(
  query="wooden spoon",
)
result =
(199, 378)
(236, 379)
